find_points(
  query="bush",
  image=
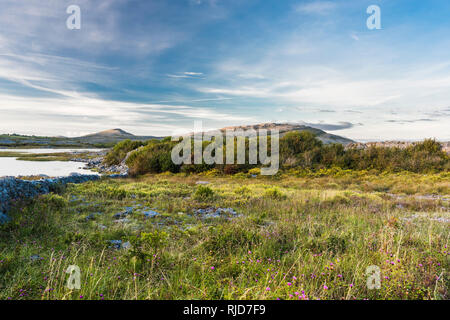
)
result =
(203, 193)
(120, 151)
(155, 157)
(274, 193)
(301, 150)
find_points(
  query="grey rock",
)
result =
(202, 182)
(117, 244)
(150, 213)
(12, 188)
(123, 220)
(35, 257)
(216, 213)
(92, 216)
(126, 245)
(123, 214)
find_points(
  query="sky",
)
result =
(153, 67)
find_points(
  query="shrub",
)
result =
(274, 193)
(203, 192)
(120, 150)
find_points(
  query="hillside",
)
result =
(103, 139)
(111, 136)
(284, 128)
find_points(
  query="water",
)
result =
(13, 167)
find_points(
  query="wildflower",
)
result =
(212, 268)
(289, 284)
(81, 297)
(268, 289)
(325, 287)
(351, 285)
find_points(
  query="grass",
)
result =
(53, 156)
(307, 237)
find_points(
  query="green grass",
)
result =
(53, 156)
(291, 234)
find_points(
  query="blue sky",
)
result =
(151, 67)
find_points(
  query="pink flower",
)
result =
(325, 287)
(268, 289)
(289, 284)
(212, 268)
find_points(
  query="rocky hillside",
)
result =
(284, 128)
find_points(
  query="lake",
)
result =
(12, 167)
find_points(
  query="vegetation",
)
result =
(52, 156)
(297, 150)
(21, 141)
(303, 234)
(308, 232)
(120, 150)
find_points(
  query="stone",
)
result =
(202, 182)
(150, 213)
(35, 257)
(92, 216)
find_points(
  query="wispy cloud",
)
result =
(316, 7)
(331, 126)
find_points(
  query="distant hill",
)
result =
(110, 133)
(284, 128)
(103, 139)
(110, 137)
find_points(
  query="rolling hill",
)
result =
(110, 137)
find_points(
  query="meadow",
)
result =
(296, 235)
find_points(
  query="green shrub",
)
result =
(274, 193)
(203, 193)
(120, 150)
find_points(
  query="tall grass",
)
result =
(293, 238)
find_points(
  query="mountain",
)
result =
(110, 136)
(110, 133)
(284, 128)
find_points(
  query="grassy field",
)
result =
(293, 236)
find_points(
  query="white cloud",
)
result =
(316, 7)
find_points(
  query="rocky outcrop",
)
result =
(12, 188)
(98, 165)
